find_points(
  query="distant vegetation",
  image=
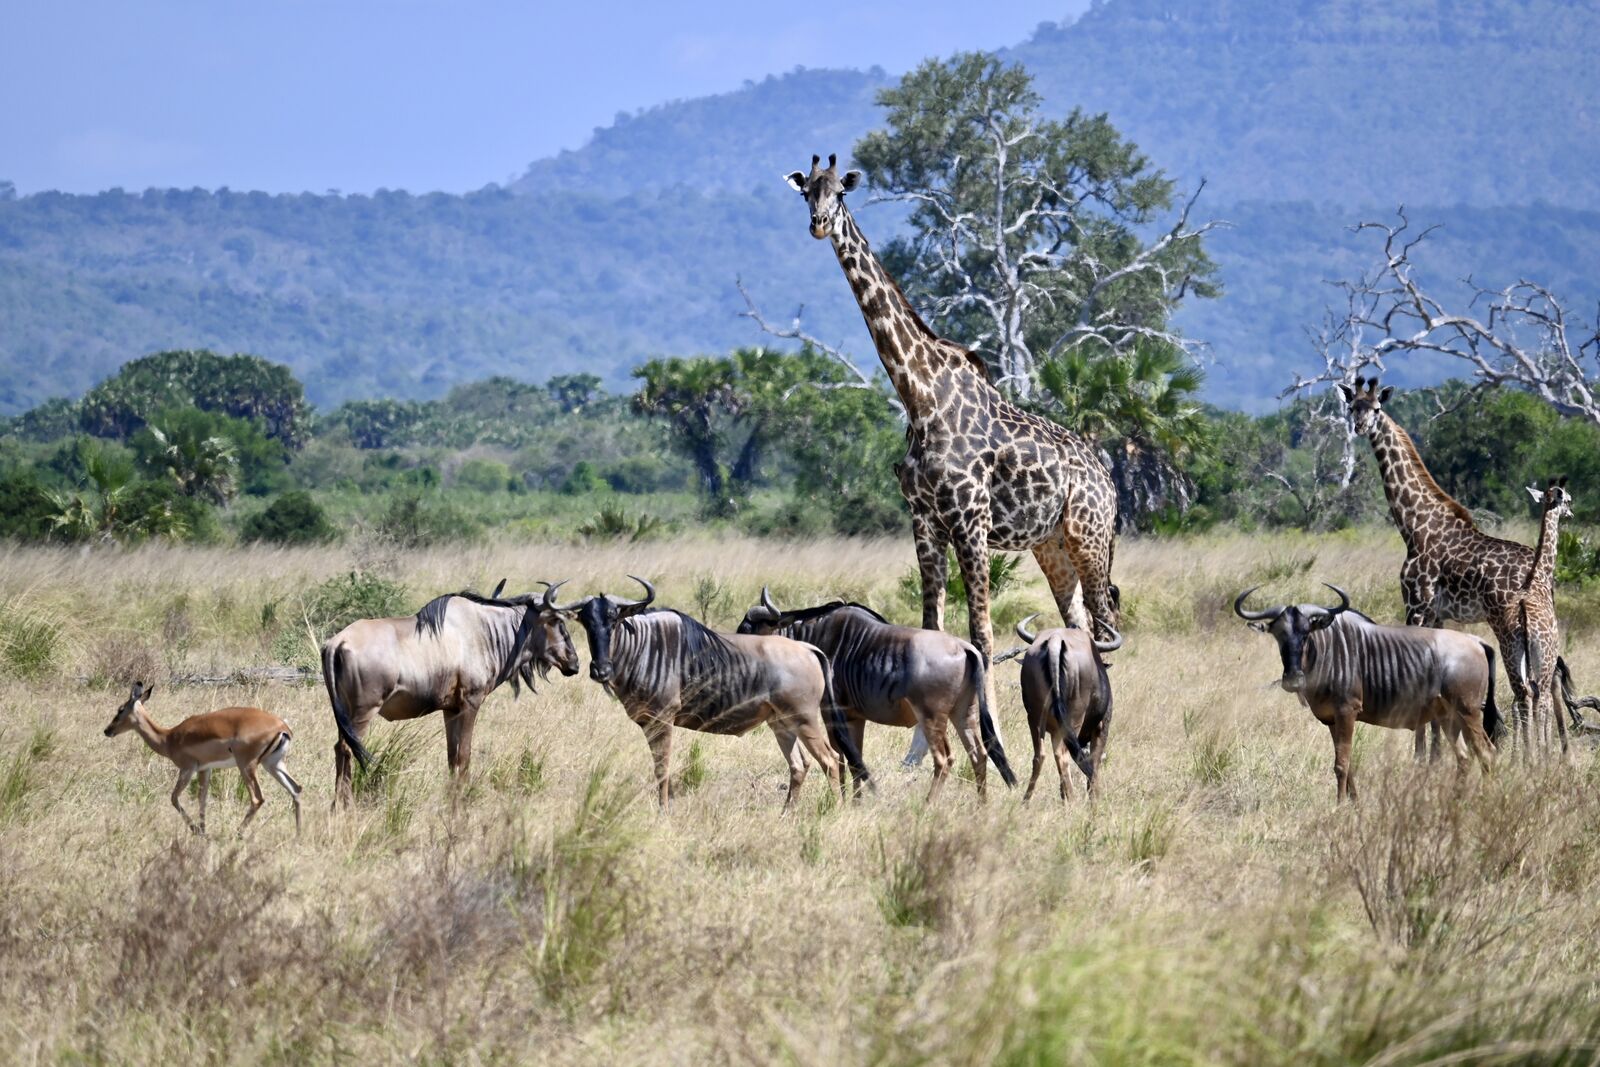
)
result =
(755, 442)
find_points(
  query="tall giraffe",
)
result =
(1453, 570)
(979, 473)
(1539, 600)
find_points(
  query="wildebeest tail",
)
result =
(1572, 701)
(839, 727)
(341, 714)
(1493, 724)
(991, 736)
(1058, 708)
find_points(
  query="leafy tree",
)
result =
(245, 387)
(50, 421)
(1027, 232)
(411, 521)
(200, 466)
(1142, 407)
(26, 509)
(691, 394)
(376, 424)
(574, 392)
(295, 518)
(111, 504)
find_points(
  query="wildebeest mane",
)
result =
(430, 617)
(807, 614)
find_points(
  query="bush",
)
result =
(484, 476)
(411, 522)
(29, 643)
(583, 479)
(614, 524)
(330, 607)
(292, 519)
(25, 507)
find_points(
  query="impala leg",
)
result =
(184, 775)
(274, 764)
(248, 770)
(205, 791)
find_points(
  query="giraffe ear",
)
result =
(1349, 393)
(797, 182)
(1383, 397)
(852, 178)
(1537, 493)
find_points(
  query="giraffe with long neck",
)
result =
(1453, 571)
(979, 472)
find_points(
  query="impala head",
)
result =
(1364, 402)
(599, 615)
(1291, 625)
(128, 713)
(1553, 497)
(824, 191)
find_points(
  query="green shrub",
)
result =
(583, 479)
(329, 608)
(1003, 570)
(484, 476)
(25, 507)
(29, 643)
(294, 518)
(614, 524)
(411, 522)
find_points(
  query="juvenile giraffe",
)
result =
(979, 473)
(1538, 600)
(1453, 570)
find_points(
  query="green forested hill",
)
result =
(1305, 116)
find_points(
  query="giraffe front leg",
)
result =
(1063, 579)
(934, 566)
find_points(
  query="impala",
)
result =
(246, 738)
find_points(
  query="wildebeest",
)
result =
(896, 676)
(668, 670)
(447, 657)
(1067, 692)
(1348, 669)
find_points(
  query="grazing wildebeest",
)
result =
(1067, 692)
(447, 657)
(1348, 669)
(896, 676)
(668, 670)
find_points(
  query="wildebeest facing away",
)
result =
(897, 676)
(668, 670)
(1348, 669)
(1067, 692)
(447, 657)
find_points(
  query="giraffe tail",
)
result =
(1569, 698)
(1493, 724)
(991, 736)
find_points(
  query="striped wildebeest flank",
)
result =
(1348, 669)
(668, 670)
(447, 657)
(1067, 693)
(897, 676)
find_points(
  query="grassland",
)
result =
(1212, 907)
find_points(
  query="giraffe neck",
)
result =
(906, 345)
(1544, 552)
(1420, 508)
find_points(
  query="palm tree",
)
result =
(689, 394)
(1141, 408)
(104, 507)
(201, 466)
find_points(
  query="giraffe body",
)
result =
(1455, 572)
(979, 473)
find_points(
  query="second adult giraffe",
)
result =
(979, 472)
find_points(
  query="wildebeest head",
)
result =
(764, 618)
(824, 191)
(1291, 625)
(599, 615)
(1553, 497)
(548, 643)
(126, 715)
(1364, 402)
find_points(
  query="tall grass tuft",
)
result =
(920, 884)
(29, 642)
(21, 775)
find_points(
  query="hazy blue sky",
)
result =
(413, 94)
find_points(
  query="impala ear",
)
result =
(147, 692)
(851, 179)
(797, 182)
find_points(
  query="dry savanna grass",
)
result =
(1213, 907)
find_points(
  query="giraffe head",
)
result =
(1553, 497)
(824, 191)
(1364, 402)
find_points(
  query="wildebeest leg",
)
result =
(458, 727)
(815, 739)
(1058, 742)
(1038, 759)
(1477, 739)
(344, 759)
(858, 734)
(658, 735)
(1343, 729)
(795, 758)
(1419, 744)
(939, 748)
(1098, 735)
(966, 722)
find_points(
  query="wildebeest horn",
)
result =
(1344, 600)
(1111, 645)
(498, 590)
(637, 605)
(766, 602)
(1253, 616)
(1022, 628)
(549, 599)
